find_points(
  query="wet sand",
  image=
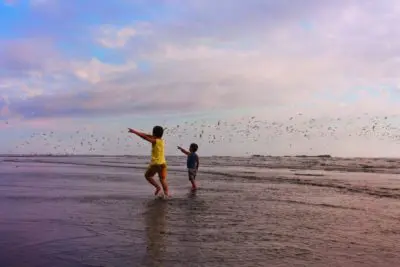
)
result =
(54, 214)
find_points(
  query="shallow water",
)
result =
(54, 214)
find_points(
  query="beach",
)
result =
(254, 211)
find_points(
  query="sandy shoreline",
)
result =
(79, 215)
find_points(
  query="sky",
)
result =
(237, 77)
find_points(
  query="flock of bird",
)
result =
(243, 130)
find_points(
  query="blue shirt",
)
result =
(192, 161)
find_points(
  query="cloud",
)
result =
(206, 55)
(25, 55)
(111, 37)
(94, 70)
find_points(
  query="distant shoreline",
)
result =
(323, 156)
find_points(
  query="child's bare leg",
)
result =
(192, 181)
(154, 183)
(192, 176)
(164, 185)
(149, 177)
(163, 180)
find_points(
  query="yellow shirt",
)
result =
(157, 153)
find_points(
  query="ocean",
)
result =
(256, 211)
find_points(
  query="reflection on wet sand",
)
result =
(191, 210)
(78, 216)
(191, 247)
(155, 224)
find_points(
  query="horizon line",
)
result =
(327, 156)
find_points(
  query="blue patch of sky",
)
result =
(353, 95)
(371, 90)
(376, 91)
(128, 13)
(20, 15)
(74, 43)
(106, 55)
(394, 93)
(348, 97)
(88, 51)
(144, 66)
(306, 25)
(86, 47)
(11, 19)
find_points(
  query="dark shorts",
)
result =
(192, 174)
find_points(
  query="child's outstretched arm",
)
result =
(197, 162)
(184, 151)
(144, 136)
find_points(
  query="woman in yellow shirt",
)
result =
(158, 163)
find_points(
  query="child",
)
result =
(158, 163)
(192, 163)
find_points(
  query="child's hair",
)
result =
(158, 131)
(194, 147)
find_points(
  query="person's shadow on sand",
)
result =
(155, 223)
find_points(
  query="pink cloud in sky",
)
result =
(41, 124)
(5, 111)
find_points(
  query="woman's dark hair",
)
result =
(194, 147)
(158, 131)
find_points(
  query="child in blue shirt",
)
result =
(192, 163)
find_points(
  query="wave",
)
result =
(295, 178)
(354, 165)
(83, 198)
(322, 205)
